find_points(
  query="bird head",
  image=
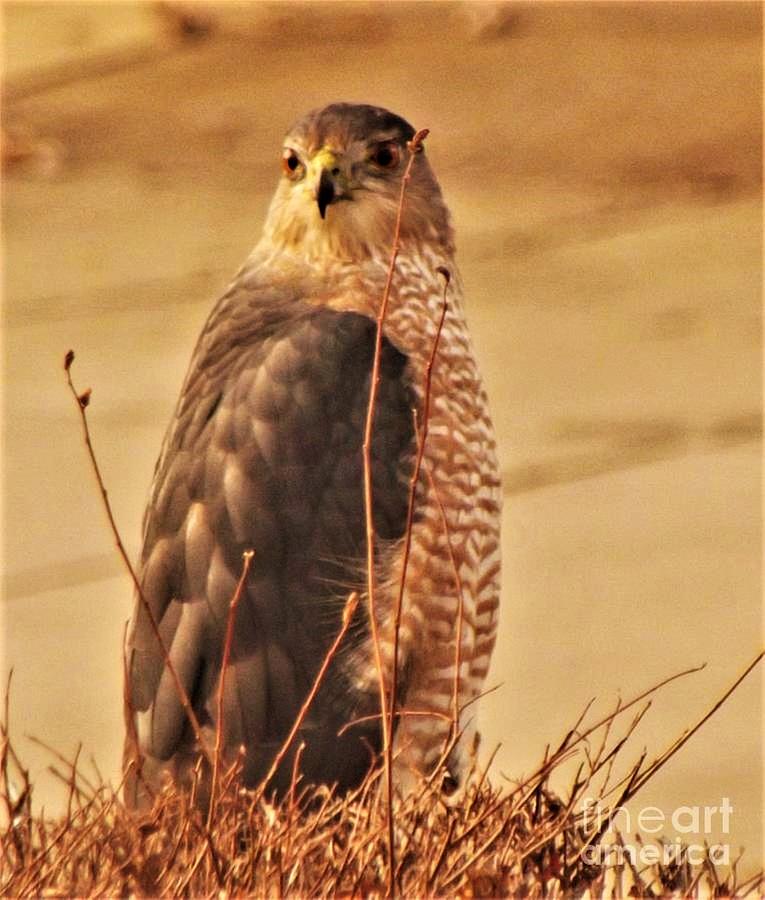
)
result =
(338, 196)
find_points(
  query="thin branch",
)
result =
(414, 147)
(687, 735)
(400, 713)
(422, 435)
(71, 765)
(622, 709)
(246, 563)
(348, 611)
(294, 779)
(457, 710)
(567, 746)
(82, 400)
(454, 876)
(481, 695)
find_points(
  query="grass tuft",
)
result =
(517, 839)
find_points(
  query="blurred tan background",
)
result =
(603, 163)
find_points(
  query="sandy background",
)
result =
(603, 164)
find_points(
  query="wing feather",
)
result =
(264, 453)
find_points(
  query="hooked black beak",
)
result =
(326, 192)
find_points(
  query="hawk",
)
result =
(264, 452)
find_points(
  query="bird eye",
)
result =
(291, 164)
(386, 155)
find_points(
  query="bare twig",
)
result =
(457, 709)
(414, 146)
(400, 714)
(688, 734)
(574, 737)
(246, 563)
(567, 743)
(70, 764)
(421, 431)
(83, 400)
(348, 611)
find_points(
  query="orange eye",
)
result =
(291, 164)
(386, 155)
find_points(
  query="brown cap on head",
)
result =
(347, 122)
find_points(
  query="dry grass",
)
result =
(515, 840)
